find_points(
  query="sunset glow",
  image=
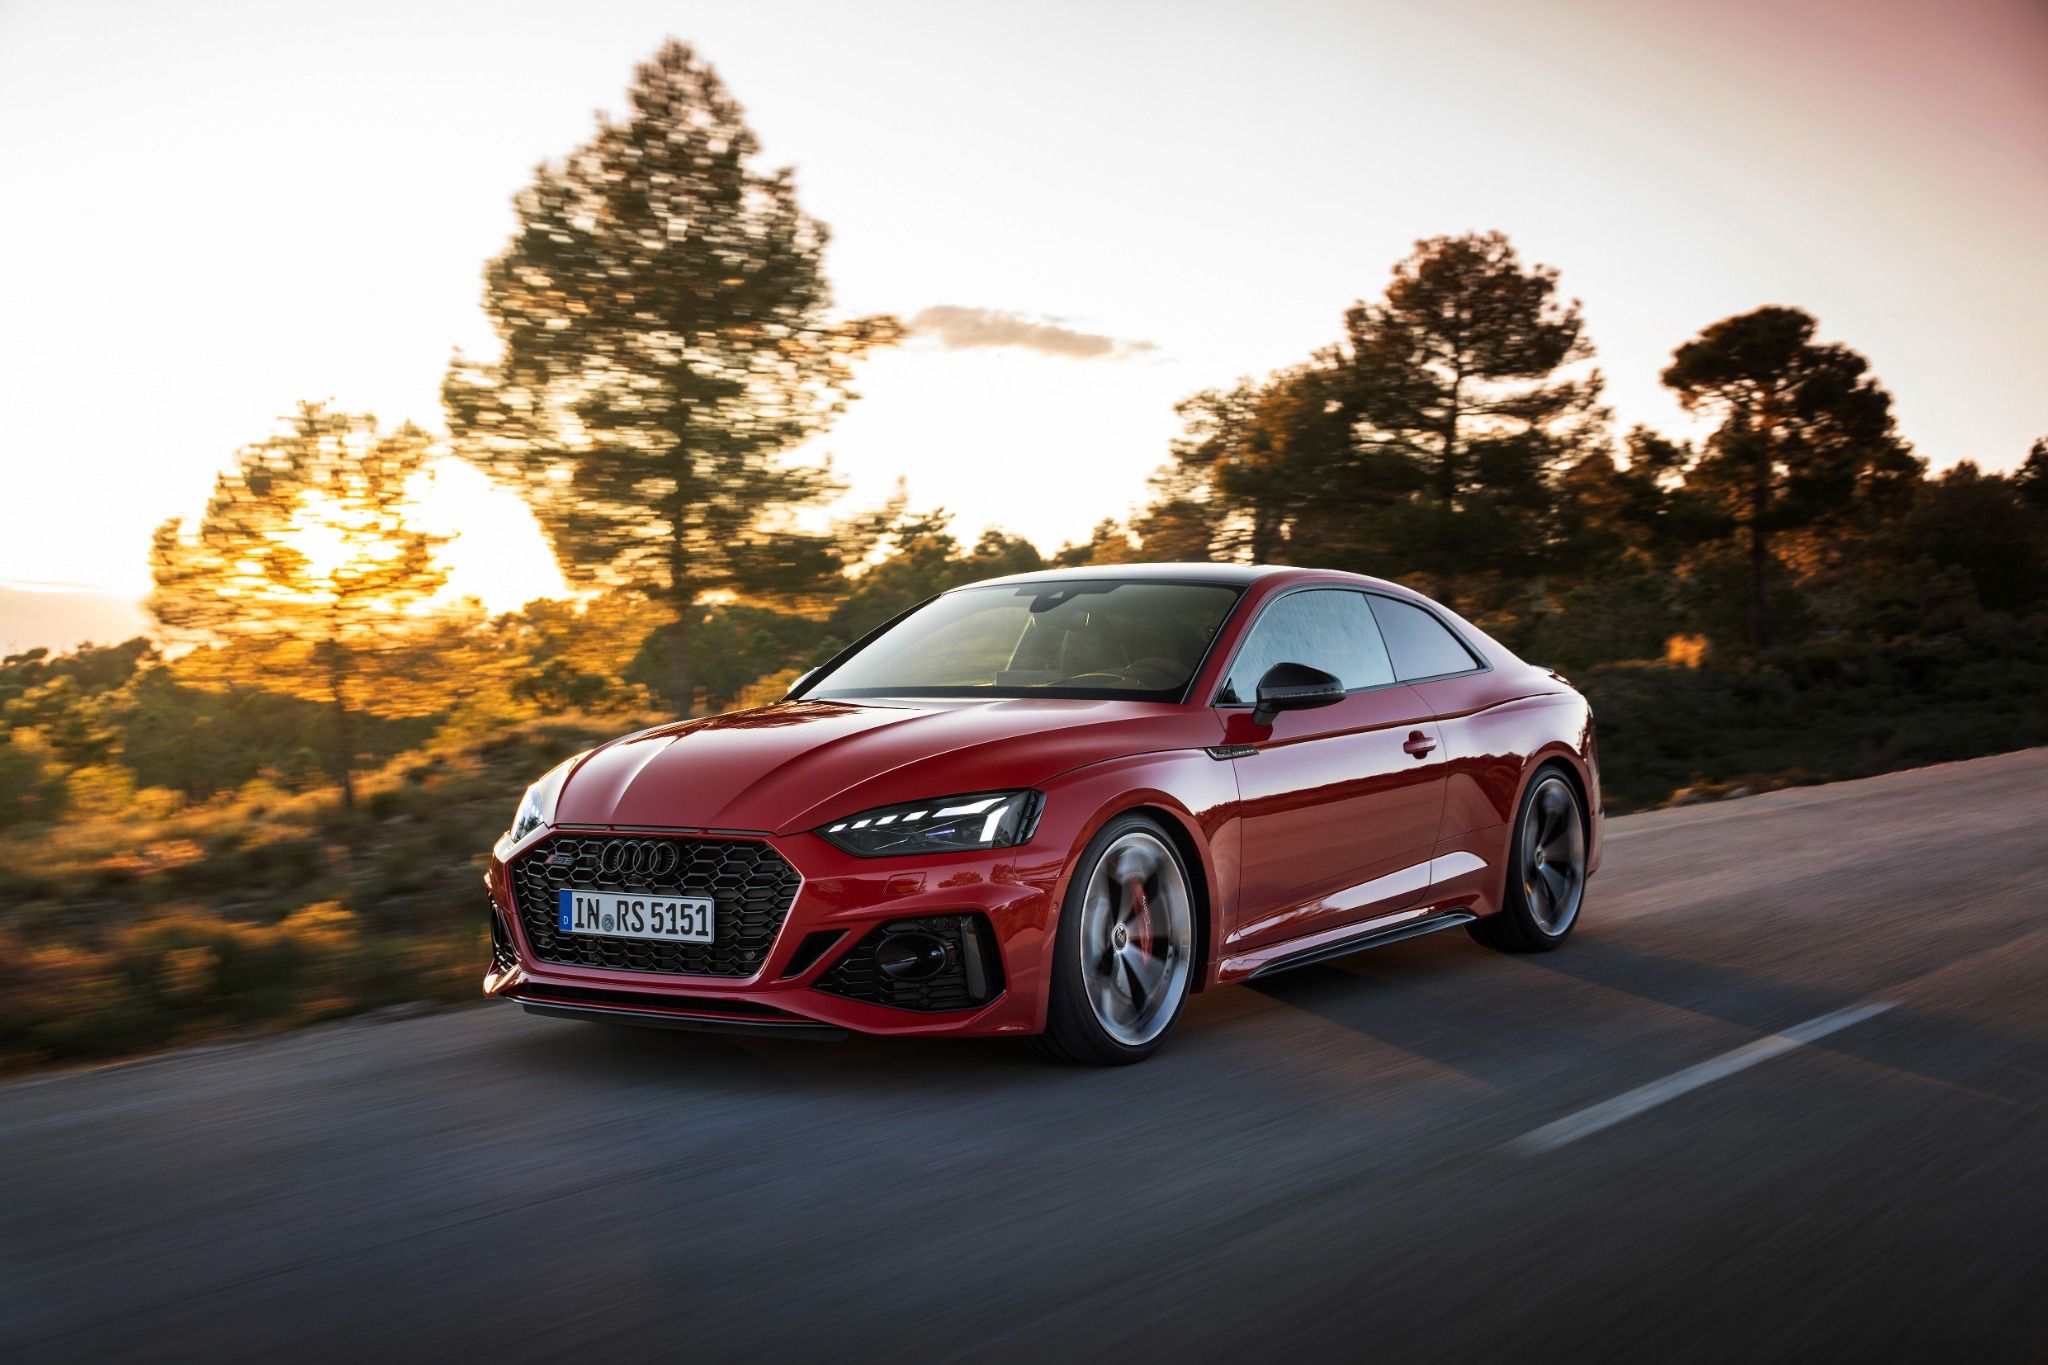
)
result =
(494, 553)
(1095, 212)
(497, 553)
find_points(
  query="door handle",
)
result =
(1419, 744)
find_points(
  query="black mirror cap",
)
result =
(1294, 687)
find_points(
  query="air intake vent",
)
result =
(810, 950)
(939, 962)
(504, 957)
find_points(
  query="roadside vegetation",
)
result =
(278, 810)
(146, 916)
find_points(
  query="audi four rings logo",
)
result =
(639, 858)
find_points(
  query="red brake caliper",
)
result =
(1141, 917)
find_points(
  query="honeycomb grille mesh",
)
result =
(750, 884)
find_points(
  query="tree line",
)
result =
(667, 339)
(1454, 437)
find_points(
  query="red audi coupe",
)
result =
(1055, 804)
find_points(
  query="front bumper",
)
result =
(1013, 891)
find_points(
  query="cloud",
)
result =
(962, 329)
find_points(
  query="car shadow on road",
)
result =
(751, 1065)
(1428, 998)
(1441, 1000)
(1734, 996)
(1469, 1010)
(745, 1064)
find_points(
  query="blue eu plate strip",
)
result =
(565, 909)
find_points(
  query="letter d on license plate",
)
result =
(614, 914)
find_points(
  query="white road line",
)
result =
(1607, 1113)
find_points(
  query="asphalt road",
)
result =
(1641, 1147)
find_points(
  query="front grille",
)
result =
(971, 976)
(750, 883)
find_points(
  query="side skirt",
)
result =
(1371, 938)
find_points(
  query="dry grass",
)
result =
(137, 924)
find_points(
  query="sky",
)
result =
(209, 211)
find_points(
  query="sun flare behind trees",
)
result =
(305, 577)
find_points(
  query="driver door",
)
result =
(1339, 805)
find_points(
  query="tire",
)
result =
(1545, 869)
(1123, 960)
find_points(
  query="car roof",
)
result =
(1224, 575)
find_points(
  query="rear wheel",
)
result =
(1546, 874)
(1124, 956)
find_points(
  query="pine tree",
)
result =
(666, 342)
(1459, 382)
(1805, 436)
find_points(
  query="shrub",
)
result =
(1820, 712)
(31, 787)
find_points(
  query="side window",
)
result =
(1421, 646)
(1327, 628)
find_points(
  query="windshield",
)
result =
(1141, 640)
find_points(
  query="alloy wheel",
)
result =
(1137, 938)
(1553, 856)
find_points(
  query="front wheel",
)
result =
(1546, 872)
(1124, 956)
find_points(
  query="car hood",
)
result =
(795, 765)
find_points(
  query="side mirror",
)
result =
(1294, 687)
(798, 685)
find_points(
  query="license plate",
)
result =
(613, 914)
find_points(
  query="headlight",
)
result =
(537, 807)
(946, 824)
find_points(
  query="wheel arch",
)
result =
(1566, 762)
(1574, 766)
(1184, 828)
